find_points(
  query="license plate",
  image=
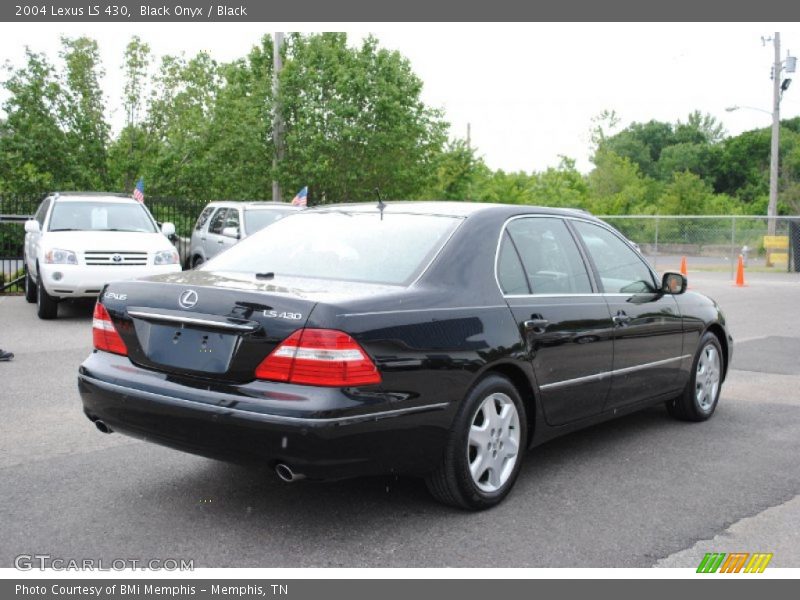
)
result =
(186, 348)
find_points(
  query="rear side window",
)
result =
(620, 268)
(346, 246)
(203, 217)
(550, 256)
(510, 274)
(218, 221)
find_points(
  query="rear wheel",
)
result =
(46, 305)
(30, 288)
(197, 261)
(699, 400)
(485, 449)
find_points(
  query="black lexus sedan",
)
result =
(424, 338)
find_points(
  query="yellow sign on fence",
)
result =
(777, 247)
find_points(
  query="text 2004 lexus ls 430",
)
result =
(432, 339)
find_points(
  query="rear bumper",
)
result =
(76, 281)
(322, 433)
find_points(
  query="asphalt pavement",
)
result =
(640, 491)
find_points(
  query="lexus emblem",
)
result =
(117, 258)
(187, 299)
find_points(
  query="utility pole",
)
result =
(772, 207)
(469, 136)
(277, 118)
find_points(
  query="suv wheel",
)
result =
(46, 305)
(30, 287)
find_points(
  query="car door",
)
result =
(564, 321)
(648, 332)
(199, 233)
(232, 221)
(213, 242)
(32, 240)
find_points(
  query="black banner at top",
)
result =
(198, 11)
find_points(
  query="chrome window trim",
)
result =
(605, 374)
(566, 218)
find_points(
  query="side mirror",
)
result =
(168, 229)
(674, 283)
(231, 232)
(32, 226)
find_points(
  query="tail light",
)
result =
(105, 334)
(322, 357)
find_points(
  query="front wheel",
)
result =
(485, 449)
(46, 305)
(699, 400)
(30, 288)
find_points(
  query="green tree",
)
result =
(355, 121)
(617, 186)
(34, 154)
(129, 151)
(456, 173)
(83, 113)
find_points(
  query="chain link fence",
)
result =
(714, 243)
(711, 243)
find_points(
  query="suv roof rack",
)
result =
(73, 193)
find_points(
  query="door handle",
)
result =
(536, 325)
(621, 319)
(220, 242)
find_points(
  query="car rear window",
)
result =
(348, 246)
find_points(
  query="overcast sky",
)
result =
(529, 91)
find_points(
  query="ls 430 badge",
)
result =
(274, 314)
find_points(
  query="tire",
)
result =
(453, 482)
(197, 261)
(30, 288)
(46, 305)
(700, 398)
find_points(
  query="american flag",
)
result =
(301, 199)
(138, 191)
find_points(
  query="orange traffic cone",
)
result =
(740, 273)
(684, 271)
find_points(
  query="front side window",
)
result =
(100, 216)
(339, 245)
(203, 217)
(620, 268)
(232, 219)
(41, 214)
(552, 261)
(218, 221)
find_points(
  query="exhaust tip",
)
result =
(285, 473)
(102, 427)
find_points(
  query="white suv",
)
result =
(79, 241)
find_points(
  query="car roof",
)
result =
(252, 204)
(451, 208)
(92, 197)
